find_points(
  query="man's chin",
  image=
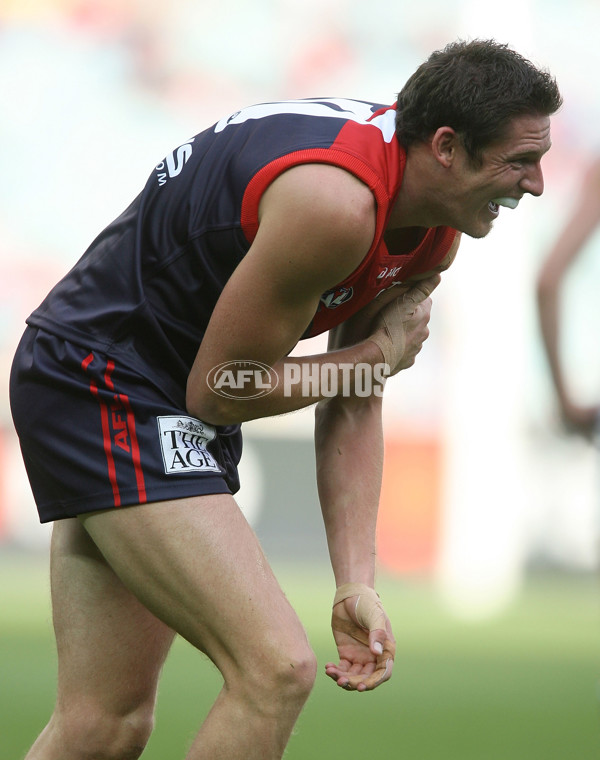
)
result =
(478, 232)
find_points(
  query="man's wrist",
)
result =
(347, 590)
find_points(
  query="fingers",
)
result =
(400, 318)
(364, 678)
(381, 674)
(401, 327)
(422, 289)
(369, 626)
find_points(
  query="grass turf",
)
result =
(523, 686)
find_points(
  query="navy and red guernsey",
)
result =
(146, 287)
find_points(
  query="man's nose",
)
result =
(533, 181)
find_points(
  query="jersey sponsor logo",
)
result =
(388, 272)
(173, 164)
(331, 299)
(334, 108)
(183, 442)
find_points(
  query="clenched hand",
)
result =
(400, 327)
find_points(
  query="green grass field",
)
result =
(524, 686)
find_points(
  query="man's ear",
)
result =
(444, 144)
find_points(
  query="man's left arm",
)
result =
(349, 456)
(349, 461)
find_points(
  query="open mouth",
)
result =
(507, 202)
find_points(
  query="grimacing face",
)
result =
(509, 168)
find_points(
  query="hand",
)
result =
(401, 325)
(364, 639)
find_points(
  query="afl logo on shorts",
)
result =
(331, 299)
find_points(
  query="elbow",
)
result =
(212, 408)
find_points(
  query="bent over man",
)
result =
(280, 222)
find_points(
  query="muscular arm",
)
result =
(349, 461)
(317, 223)
(579, 227)
(349, 456)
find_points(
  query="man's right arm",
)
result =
(317, 223)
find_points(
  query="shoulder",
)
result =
(316, 224)
(327, 200)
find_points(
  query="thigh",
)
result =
(110, 647)
(198, 566)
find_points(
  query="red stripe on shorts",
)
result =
(110, 461)
(122, 433)
(135, 448)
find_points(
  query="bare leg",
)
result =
(196, 565)
(110, 652)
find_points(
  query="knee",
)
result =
(285, 680)
(297, 674)
(95, 735)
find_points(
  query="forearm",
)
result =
(349, 456)
(294, 383)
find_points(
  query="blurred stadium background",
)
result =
(488, 537)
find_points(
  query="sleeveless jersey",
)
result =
(147, 285)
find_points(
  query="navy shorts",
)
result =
(95, 434)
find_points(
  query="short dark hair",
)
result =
(476, 88)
